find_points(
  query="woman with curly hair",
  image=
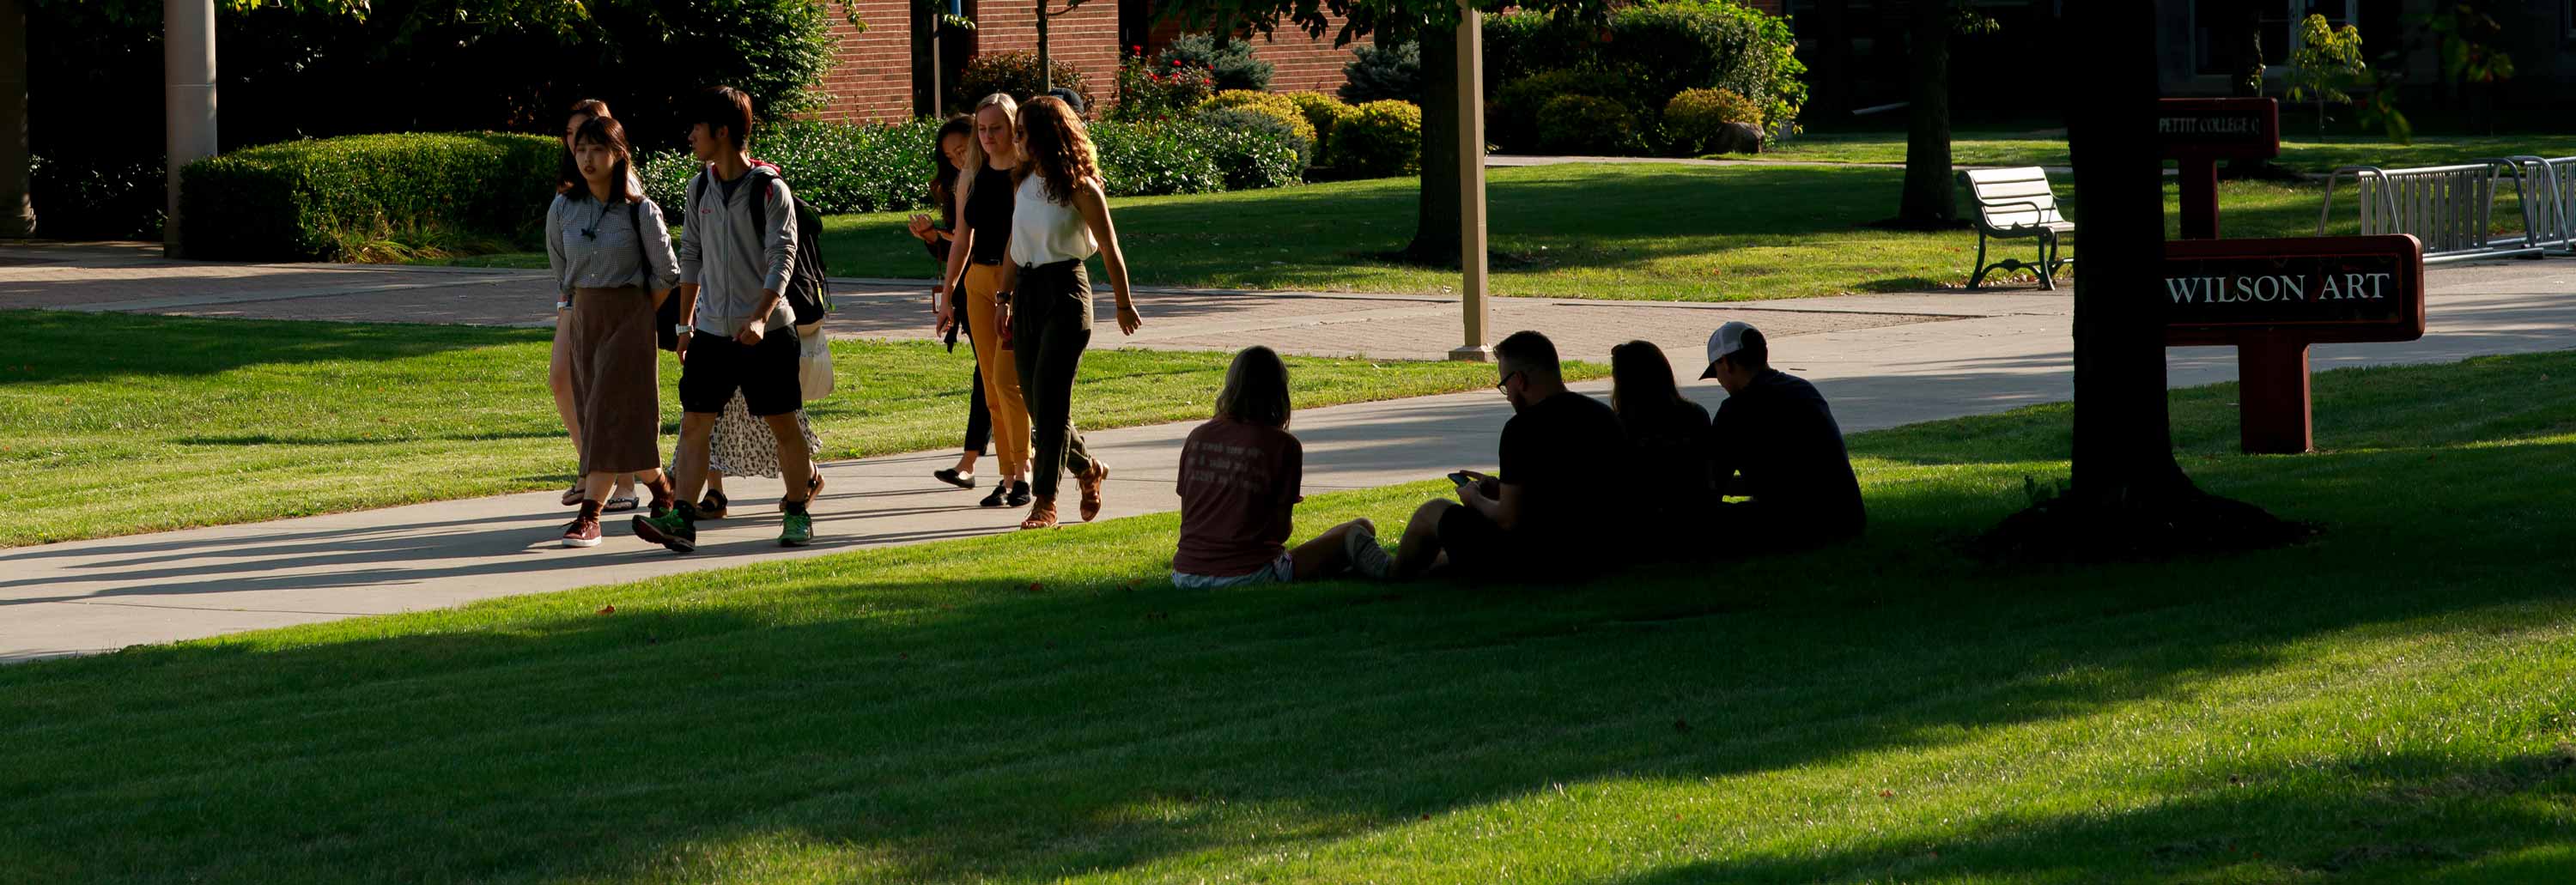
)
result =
(1059, 218)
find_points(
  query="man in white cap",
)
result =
(1774, 440)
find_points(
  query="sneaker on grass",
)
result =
(675, 530)
(1367, 558)
(796, 529)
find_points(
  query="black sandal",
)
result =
(1001, 491)
(1019, 494)
(950, 476)
(713, 505)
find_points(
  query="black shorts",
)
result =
(1476, 546)
(766, 373)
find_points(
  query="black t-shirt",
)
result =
(1668, 439)
(1565, 453)
(1779, 433)
(988, 211)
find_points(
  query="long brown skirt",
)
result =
(616, 383)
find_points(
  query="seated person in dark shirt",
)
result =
(1774, 440)
(1557, 500)
(1667, 442)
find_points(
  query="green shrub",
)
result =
(1230, 60)
(1248, 158)
(330, 198)
(1383, 73)
(1587, 124)
(1254, 118)
(837, 167)
(1512, 113)
(95, 196)
(1521, 44)
(1016, 73)
(1278, 107)
(1322, 112)
(1152, 159)
(1667, 47)
(1695, 120)
(1157, 92)
(1379, 139)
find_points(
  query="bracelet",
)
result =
(1003, 298)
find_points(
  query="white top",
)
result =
(1044, 231)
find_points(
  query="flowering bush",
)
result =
(1150, 91)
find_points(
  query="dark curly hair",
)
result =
(1059, 147)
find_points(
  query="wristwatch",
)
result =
(681, 329)
(1001, 298)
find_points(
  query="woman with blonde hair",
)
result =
(977, 252)
(1059, 219)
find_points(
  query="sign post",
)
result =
(1471, 186)
(2271, 299)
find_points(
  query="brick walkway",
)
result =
(133, 278)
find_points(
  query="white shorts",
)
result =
(1281, 572)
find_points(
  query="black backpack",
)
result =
(807, 290)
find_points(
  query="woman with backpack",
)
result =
(613, 261)
(1059, 219)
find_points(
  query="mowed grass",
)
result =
(222, 421)
(2388, 702)
(2302, 148)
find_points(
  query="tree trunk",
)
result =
(1436, 226)
(1046, 69)
(2123, 438)
(17, 214)
(1931, 198)
(1833, 57)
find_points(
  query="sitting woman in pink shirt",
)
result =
(1238, 486)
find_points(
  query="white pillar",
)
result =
(1471, 184)
(188, 90)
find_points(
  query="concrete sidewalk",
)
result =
(100, 595)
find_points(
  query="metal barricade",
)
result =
(2555, 177)
(2450, 208)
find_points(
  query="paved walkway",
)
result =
(98, 595)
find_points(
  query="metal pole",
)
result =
(188, 80)
(1046, 70)
(1471, 184)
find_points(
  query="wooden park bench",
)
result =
(2016, 204)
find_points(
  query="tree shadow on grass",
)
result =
(66, 347)
(1029, 721)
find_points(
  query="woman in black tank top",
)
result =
(985, 234)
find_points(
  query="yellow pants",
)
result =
(1001, 372)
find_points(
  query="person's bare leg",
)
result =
(1420, 549)
(559, 380)
(689, 468)
(1329, 554)
(795, 462)
(715, 481)
(595, 486)
(966, 462)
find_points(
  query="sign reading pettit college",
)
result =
(2219, 128)
(2316, 289)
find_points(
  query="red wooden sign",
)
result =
(2322, 289)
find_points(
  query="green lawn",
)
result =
(223, 421)
(2388, 702)
(1649, 232)
(2301, 148)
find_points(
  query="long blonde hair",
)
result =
(975, 159)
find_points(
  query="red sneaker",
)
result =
(583, 532)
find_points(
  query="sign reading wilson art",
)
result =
(2315, 289)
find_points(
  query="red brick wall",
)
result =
(1299, 64)
(1086, 38)
(871, 76)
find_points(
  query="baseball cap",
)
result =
(1727, 339)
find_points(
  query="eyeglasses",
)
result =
(1505, 384)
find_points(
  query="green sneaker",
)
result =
(673, 529)
(796, 529)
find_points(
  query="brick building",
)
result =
(884, 72)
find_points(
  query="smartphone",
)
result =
(1461, 477)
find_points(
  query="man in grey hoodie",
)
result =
(736, 256)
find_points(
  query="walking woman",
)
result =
(948, 153)
(559, 368)
(613, 261)
(1059, 219)
(976, 259)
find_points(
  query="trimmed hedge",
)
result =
(1322, 112)
(1248, 168)
(1276, 106)
(1586, 124)
(1379, 139)
(1695, 121)
(324, 199)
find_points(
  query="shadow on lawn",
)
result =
(80, 347)
(954, 731)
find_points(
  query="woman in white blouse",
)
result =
(612, 259)
(1059, 218)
